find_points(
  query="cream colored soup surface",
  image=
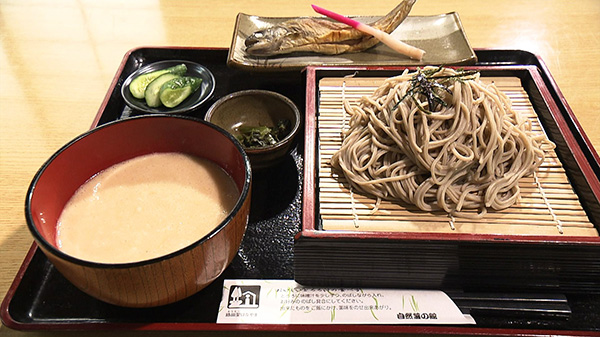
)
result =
(145, 207)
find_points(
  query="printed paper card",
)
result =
(287, 302)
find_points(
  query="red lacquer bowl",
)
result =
(157, 281)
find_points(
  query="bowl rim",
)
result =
(255, 150)
(43, 243)
(162, 110)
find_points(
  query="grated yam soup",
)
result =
(145, 207)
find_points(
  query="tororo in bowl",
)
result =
(167, 275)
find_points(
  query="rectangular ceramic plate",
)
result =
(41, 299)
(441, 36)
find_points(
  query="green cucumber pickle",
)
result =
(175, 91)
(138, 85)
(153, 89)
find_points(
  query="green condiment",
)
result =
(261, 136)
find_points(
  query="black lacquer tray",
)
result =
(41, 299)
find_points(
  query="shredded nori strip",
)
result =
(426, 85)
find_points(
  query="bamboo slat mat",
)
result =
(548, 204)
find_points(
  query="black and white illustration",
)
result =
(243, 296)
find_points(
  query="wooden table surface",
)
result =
(58, 57)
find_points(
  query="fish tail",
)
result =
(394, 18)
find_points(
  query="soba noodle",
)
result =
(463, 148)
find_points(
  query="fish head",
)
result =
(266, 42)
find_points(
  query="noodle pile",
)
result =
(439, 139)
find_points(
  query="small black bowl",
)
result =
(257, 108)
(201, 95)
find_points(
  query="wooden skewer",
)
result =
(385, 38)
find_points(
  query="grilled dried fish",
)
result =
(321, 35)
